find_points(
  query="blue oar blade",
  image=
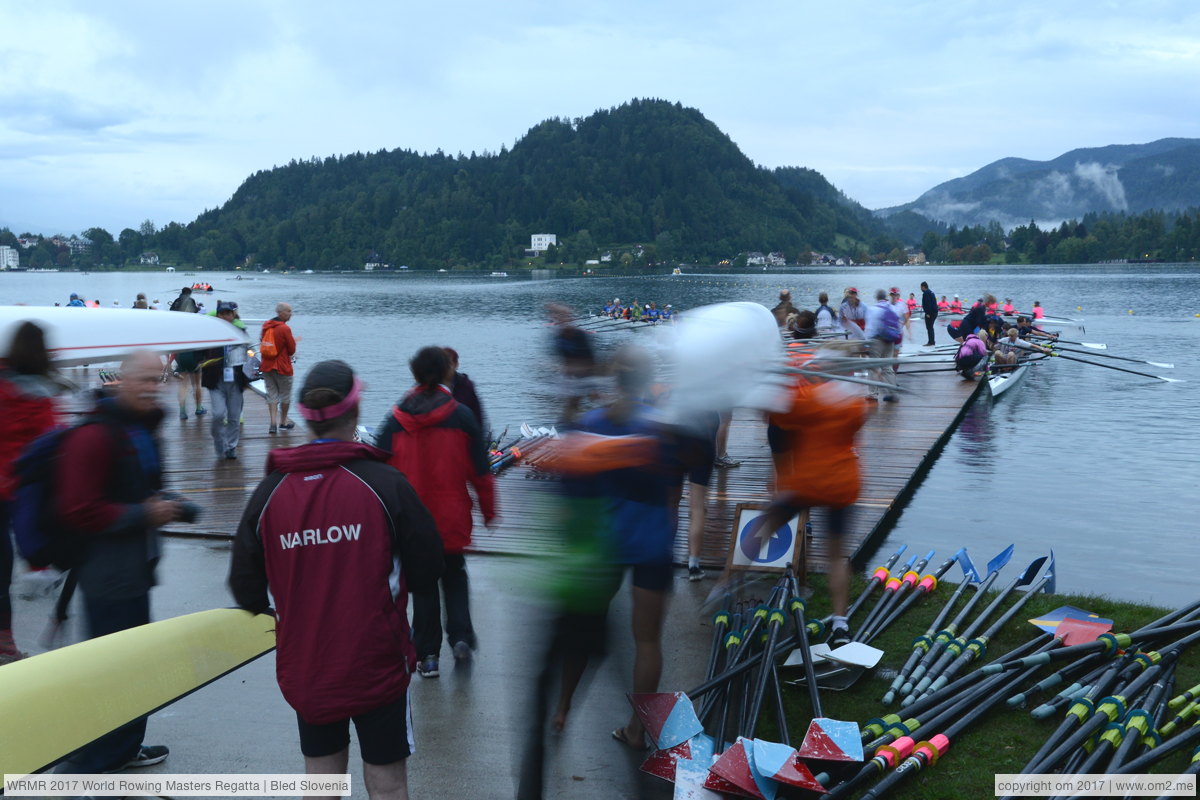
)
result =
(929, 556)
(1051, 577)
(964, 561)
(997, 563)
(910, 563)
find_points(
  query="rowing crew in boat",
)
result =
(636, 312)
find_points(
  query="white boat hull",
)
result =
(1000, 383)
(103, 335)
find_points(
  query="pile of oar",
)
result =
(502, 456)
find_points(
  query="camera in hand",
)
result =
(188, 512)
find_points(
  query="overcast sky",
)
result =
(115, 111)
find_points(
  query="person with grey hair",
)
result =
(276, 348)
(109, 490)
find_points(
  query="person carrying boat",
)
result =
(826, 317)
(971, 354)
(436, 442)
(853, 315)
(931, 307)
(344, 646)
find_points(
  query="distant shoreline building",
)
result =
(541, 242)
(9, 258)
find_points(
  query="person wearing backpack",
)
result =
(275, 349)
(883, 331)
(27, 397)
(108, 482)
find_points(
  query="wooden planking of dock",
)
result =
(898, 445)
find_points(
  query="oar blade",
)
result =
(1031, 572)
(855, 654)
(1170, 380)
(1002, 558)
(969, 572)
(832, 740)
(1051, 585)
(1079, 631)
(1160, 365)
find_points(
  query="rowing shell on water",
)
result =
(1001, 382)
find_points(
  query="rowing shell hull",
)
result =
(54, 703)
(100, 336)
(999, 384)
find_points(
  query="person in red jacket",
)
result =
(339, 538)
(277, 367)
(27, 400)
(436, 442)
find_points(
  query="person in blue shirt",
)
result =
(75, 301)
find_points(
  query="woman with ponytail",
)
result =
(438, 445)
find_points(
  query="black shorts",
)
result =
(701, 473)
(385, 734)
(655, 577)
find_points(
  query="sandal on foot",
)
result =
(621, 736)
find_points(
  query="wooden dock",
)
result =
(898, 445)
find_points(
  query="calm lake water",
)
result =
(1101, 466)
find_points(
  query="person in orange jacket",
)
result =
(819, 467)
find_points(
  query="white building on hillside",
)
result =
(540, 242)
(8, 257)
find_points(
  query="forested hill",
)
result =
(648, 172)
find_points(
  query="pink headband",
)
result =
(337, 409)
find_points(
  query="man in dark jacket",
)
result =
(185, 302)
(929, 306)
(339, 538)
(222, 374)
(110, 476)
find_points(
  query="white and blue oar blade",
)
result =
(1002, 558)
(968, 568)
(1051, 577)
(527, 431)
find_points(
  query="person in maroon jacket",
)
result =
(436, 442)
(339, 538)
(109, 480)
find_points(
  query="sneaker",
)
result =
(725, 462)
(839, 637)
(273, 429)
(287, 426)
(695, 574)
(462, 651)
(201, 411)
(147, 756)
(428, 667)
(183, 414)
